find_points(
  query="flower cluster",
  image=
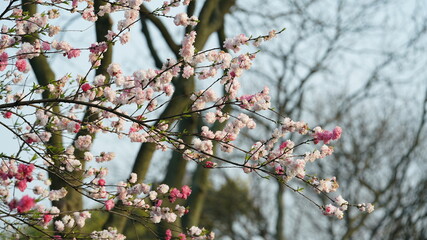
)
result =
(192, 233)
(40, 115)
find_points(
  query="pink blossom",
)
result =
(86, 87)
(114, 70)
(168, 234)
(7, 114)
(133, 177)
(283, 145)
(3, 61)
(271, 34)
(21, 64)
(326, 136)
(47, 218)
(45, 46)
(105, 157)
(83, 142)
(31, 138)
(336, 133)
(181, 19)
(62, 45)
(25, 172)
(89, 14)
(195, 231)
(98, 48)
(73, 127)
(124, 38)
(369, 207)
(182, 236)
(110, 35)
(343, 204)
(109, 204)
(248, 168)
(55, 195)
(279, 170)
(59, 225)
(174, 194)
(25, 204)
(329, 210)
(234, 43)
(163, 188)
(209, 164)
(22, 185)
(101, 182)
(210, 117)
(187, 50)
(168, 89)
(73, 53)
(186, 191)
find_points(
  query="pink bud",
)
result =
(86, 87)
(101, 182)
(109, 204)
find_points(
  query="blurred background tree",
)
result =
(359, 65)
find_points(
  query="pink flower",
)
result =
(187, 50)
(3, 61)
(168, 234)
(283, 145)
(209, 164)
(83, 142)
(114, 70)
(73, 53)
(101, 182)
(187, 72)
(89, 14)
(370, 207)
(182, 236)
(22, 185)
(45, 46)
(25, 172)
(59, 225)
(86, 87)
(12, 204)
(174, 194)
(31, 138)
(279, 170)
(25, 204)
(336, 133)
(329, 210)
(109, 204)
(21, 64)
(47, 218)
(181, 19)
(7, 114)
(76, 127)
(186, 191)
(234, 43)
(98, 47)
(325, 136)
(124, 38)
(248, 168)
